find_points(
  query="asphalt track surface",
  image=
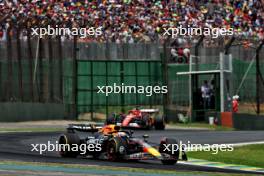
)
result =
(17, 146)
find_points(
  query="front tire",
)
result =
(116, 149)
(66, 142)
(174, 154)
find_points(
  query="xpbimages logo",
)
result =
(58, 31)
(175, 32)
(51, 147)
(117, 89)
(213, 148)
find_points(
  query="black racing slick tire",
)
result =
(67, 141)
(159, 123)
(116, 149)
(168, 146)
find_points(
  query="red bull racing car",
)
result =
(138, 118)
(116, 144)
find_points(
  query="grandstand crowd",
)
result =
(131, 21)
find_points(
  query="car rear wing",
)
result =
(150, 110)
(84, 127)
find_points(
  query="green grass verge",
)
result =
(133, 170)
(202, 125)
(31, 129)
(250, 155)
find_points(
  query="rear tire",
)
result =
(159, 123)
(69, 139)
(174, 154)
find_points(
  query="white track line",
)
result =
(247, 143)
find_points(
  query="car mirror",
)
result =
(145, 136)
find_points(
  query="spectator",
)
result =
(212, 94)
(235, 103)
(137, 20)
(180, 52)
(205, 90)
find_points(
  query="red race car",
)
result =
(138, 118)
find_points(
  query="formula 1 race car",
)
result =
(138, 118)
(117, 145)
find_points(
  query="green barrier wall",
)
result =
(91, 74)
(15, 112)
(248, 122)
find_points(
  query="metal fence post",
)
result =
(125, 56)
(136, 70)
(50, 71)
(107, 82)
(107, 55)
(92, 90)
(258, 77)
(122, 81)
(164, 59)
(60, 68)
(41, 81)
(149, 79)
(20, 76)
(30, 60)
(74, 79)
(1, 94)
(1, 83)
(9, 87)
(196, 54)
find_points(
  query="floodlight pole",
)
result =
(258, 77)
